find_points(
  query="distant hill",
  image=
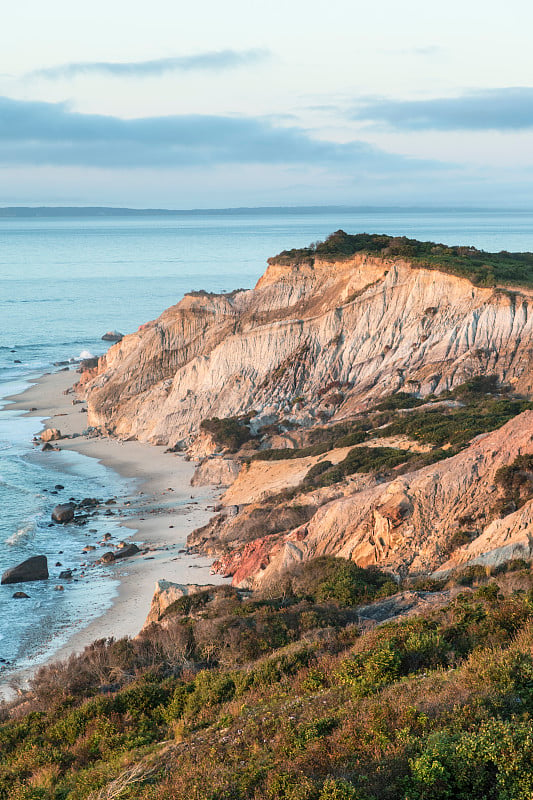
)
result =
(107, 211)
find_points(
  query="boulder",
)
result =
(64, 513)
(112, 336)
(107, 558)
(127, 551)
(33, 569)
(65, 575)
(51, 435)
(21, 596)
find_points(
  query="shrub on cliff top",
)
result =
(481, 268)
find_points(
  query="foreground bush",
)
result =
(428, 708)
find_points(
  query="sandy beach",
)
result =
(161, 511)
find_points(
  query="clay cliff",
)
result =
(317, 344)
(367, 326)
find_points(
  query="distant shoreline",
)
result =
(31, 212)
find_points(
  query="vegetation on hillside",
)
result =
(285, 698)
(229, 433)
(475, 407)
(480, 267)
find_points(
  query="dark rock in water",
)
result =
(64, 512)
(59, 564)
(112, 336)
(16, 361)
(127, 551)
(47, 446)
(58, 487)
(88, 502)
(33, 569)
(21, 596)
(65, 575)
(107, 558)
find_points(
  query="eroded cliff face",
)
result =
(369, 326)
(318, 343)
(405, 525)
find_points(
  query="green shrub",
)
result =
(360, 459)
(399, 400)
(230, 433)
(291, 786)
(337, 580)
(369, 672)
(493, 761)
(483, 269)
(338, 789)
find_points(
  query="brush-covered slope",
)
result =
(366, 322)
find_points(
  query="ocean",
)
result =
(66, 281)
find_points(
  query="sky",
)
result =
(247, 103)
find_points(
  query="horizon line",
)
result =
(57, 210)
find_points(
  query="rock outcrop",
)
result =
(406, 525)
(216, 471)
(167, 593)
(51, 435)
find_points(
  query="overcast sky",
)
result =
(286, 102)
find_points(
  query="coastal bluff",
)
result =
(329, 334)
(255, 383)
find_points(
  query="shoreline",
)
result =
(161, 511)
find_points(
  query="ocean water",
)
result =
(63, 283)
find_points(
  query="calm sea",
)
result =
(63, 283)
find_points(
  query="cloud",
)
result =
(215, 61)
(508, 109)
(41, 133)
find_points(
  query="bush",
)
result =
(493, 761)
(399, 400)
(483, 269)
(360, 459)
(329, 579)
(230, 433)
(338, 789)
